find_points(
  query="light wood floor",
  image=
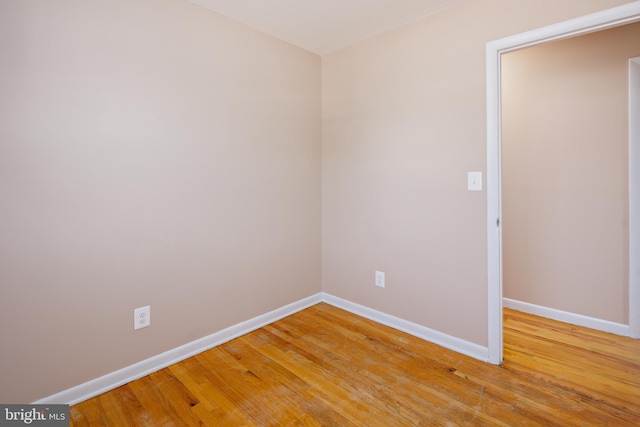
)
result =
(326, 367)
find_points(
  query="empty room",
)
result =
(286, 212)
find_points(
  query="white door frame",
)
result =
(608, 18)
(634, 197)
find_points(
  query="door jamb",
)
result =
(634, 197)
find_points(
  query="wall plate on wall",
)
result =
(474, 181)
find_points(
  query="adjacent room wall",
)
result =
(565, 173)
(151, 152)
(403, 122)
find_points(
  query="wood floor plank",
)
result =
(541, 407)
(580, 370)
(214, 405)
(343, 396)
(546, 405)
(290, 388)
(386, 369)
(559, 333)
(92, 414)
(326, 367)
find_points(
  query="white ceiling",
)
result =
(323, 26)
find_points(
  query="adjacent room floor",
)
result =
(326, 367)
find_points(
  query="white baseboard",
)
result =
(125, 375)
(567, 317)
(452, 343)
(137, 370)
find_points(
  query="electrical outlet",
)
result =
(141, 317)
(380, 279)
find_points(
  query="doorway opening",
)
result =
(598, 21)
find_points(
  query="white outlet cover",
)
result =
(141, 317)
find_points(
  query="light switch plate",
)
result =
(380, 279)
(474, 181)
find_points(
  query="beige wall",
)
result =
(565, 173)
(403, 123)
(151, 152)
